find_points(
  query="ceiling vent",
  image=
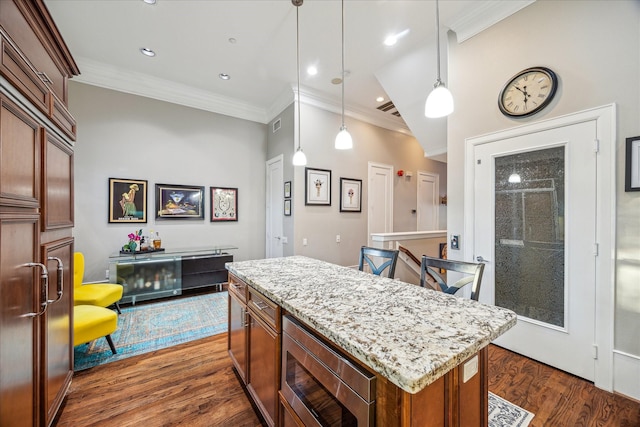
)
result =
(276, 125)
(388, 107)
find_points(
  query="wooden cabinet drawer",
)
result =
(20, 74)
(264, 308)
(238, 288)
(25, 24)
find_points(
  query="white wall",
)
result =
(320, 224)
(131, 137)
(594, 47)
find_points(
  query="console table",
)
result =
(161, 274)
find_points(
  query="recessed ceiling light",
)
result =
(312, 70)
(147, 52)
(232, 40)
(224, 76)
(149, 1)
(380, 99)
(393, 38)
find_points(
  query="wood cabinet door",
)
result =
(19, 156)
(237, 335)
(19, 299)
(264, 367)
(57, 183)
(57, 326)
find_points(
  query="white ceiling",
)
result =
(191, 39)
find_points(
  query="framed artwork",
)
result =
(179, 201)
(632, 165)
(350, 195)
(287, 207)
(224, 204)
(287, 190)
(127, 200)
(317, 187)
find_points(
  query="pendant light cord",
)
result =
(343, 76)
(298, 67)
(438, 81)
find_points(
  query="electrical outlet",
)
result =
(285, 240)
(304, 242)
(106, 275)
(337, 238)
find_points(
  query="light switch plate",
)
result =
(470, 369)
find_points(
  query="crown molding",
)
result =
(107, 76)
(484, 16)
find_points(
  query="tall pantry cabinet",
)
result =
(36, 215)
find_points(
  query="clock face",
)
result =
(528, 92)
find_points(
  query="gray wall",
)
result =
(594, 46)
(320, 224)
(127, 136)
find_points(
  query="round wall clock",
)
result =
(528, 92)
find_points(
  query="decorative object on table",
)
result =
(179, 201)
(528, 92)
(134, 242)
(287, 207)
(317, 187)
(350, 195)
(127, 200)
(287, 190)
(224, 204)
(632, 165)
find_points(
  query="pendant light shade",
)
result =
(299, 158)
(440, 101)
(343, 139)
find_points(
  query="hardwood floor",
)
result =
(555, 397)
(194, 385)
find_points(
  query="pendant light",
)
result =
(299, 158)
(343, 139)
(440, 101)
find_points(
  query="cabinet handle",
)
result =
(260, 305)
(243, 317)
(44, 290)
(43, 76)
(60, 270)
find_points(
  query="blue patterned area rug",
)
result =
(148, 327)
(503, 413)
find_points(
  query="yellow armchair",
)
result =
(98, 294)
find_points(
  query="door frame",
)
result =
(270, 207)
(605, 146)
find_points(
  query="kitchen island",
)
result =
(426, 349)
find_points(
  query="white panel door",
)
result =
(274, 208)
(428, 198)
(380, 200)
(535, 223)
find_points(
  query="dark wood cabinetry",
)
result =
(254, 346)
(36, 215)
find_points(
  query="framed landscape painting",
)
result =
(224, 204)
(179, 201)
(127, 200)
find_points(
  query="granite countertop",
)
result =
(410, 335)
